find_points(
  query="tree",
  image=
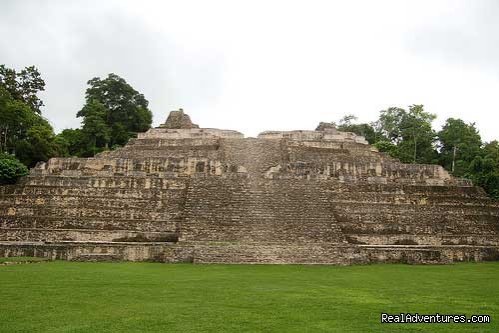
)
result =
(95, 131)
(24, 133)
(411, 132)
(417, 132)
(11, 169)
(39, 144)
(386, 146)
(70, 142)
(24, 85)
(365, 130)
(347, 120)
(15, 119)
(346, 124)
(389, 124)
(459, 144)
(122, 110)
(484, 169)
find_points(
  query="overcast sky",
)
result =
(264, 65)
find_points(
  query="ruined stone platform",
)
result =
(180, 193)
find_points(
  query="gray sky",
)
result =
(263, 65)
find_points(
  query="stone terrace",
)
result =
(180, 193)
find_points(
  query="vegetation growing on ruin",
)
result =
(146, 297)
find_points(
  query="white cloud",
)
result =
(262, 65)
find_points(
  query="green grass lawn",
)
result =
(146, 297)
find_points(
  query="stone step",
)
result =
(122, 193)
(384, 208)
(51, 235)
(111, 181)
(101, 223)
(421, 227)
(75, 202)
(69, 250)
(339, 254)
(97, 257)
(331, 184)
(435, 218)
(111, 200)
(119, 202)
(423, 239)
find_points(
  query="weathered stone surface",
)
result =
(326, 126)
(179, 193)
(178, 119)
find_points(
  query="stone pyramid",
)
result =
(180, 193)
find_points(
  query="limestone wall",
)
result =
(207, 195)
(191, 133)
(314, 136)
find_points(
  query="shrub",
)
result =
(11, 169)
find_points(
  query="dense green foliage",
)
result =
(11, 169)
(23, 131)
(147, 297)
(71, 142)
(23, 86)
(113, 113)
(347, 124)
(460, 144)
(408, 136)
(484, 169)
(463, 152)
(403, 134)
(411, 132)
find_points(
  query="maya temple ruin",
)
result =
(180, 193)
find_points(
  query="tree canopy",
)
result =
(484, 169)
(347, 124)
(411, 132)
(23, 85)
(459, 144)
(24, 133)
(403, 134)
(408, 136)
(114, 111)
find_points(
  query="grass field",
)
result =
(147, 297)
